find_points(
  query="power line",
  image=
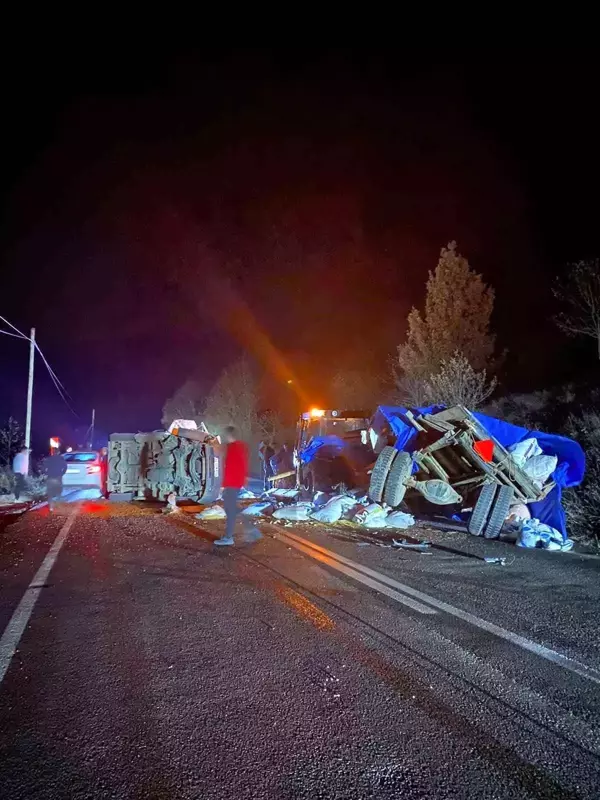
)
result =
(8, 333)
(53, 374)
(60, 388)
(10, 325)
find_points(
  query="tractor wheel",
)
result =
(482, 508)
(399, 473)
(380, 473)
(500, 512)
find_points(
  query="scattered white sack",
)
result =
(212, 512)
(537, 534)
(171, 507)
(299, 511)
(518, 513)
(539, 468)
(184, 424)
(359, 497)
(320, 499)
(522, 451)
(373, 516)
(333, 510)
(246, 494)
(259, 509)
(399, 519)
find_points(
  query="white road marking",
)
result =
(359, 576)
(577, 667)
(18, 622)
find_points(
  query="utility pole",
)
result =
(92, 428)
(30, 392)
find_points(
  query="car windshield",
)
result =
(80, 457)
(341, 426)
(334, 427)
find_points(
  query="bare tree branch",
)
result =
(579, 292)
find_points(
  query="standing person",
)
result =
(283, 461)
(20, 469)
(235, 473)
(266, 453)
(55, 467)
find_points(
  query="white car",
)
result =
(84, 469)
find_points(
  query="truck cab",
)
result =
(333, 449)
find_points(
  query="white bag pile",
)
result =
(539, 468)
(399, 519)
(334, 509)
(530, 457)
(373, 516)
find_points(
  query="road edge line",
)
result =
(22, 614)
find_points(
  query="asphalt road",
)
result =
(151, 665)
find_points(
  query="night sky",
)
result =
(160, 214)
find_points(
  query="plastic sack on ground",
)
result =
(539, 468)
(246, 494)
(373, 516)
(212, 512)
(299, 511)
(398, 519)
(518, 512)
(536, 534)
(523, 451)
(261, 509)
(320, 499)
(333, 510)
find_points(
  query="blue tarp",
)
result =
(569, 470)
(317, 442)
(331, 446)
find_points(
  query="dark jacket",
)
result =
(55, 467)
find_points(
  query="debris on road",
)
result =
(399, 519)
(299, 511)
(495, 560)
(418, 546)
(262, 508)
(171, 507)
(373, 516)
(534, 533)
(334, 509)
(212, 512)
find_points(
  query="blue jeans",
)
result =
(230, 504)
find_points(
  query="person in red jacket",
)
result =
(235, 473)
